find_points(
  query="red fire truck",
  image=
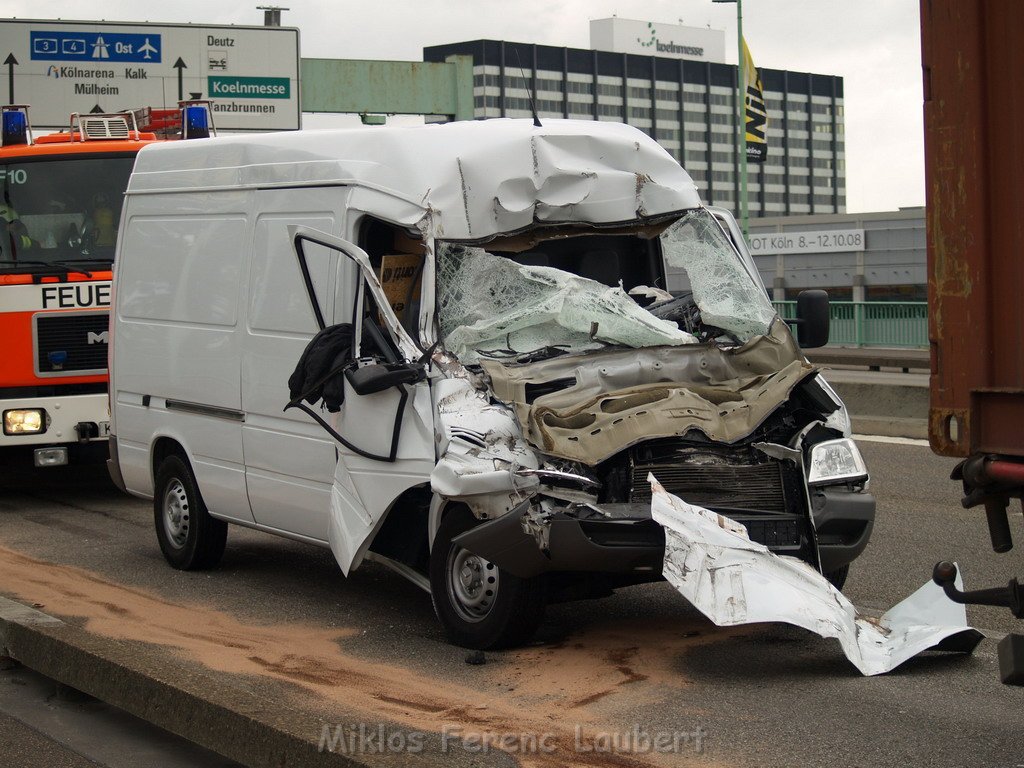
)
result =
(59, 215)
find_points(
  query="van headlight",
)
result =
(24, 421)
(836, 461)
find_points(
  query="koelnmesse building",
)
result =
(672, 83)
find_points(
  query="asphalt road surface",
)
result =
(640, 662)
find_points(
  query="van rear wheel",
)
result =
(480, 605)
(189, 537)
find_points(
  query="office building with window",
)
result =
(685, 101)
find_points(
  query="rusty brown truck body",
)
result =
(974, 161)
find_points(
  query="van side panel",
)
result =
(178, 341)
(289, 458)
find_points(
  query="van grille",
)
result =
(744, 487)
(765, 495)
(714, 477)
(71, 342)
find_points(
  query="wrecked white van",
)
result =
(523, 322)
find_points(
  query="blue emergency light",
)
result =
(195, 122)
(15, 125)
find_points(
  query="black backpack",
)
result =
(318, 374)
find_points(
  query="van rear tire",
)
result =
(480, 605)
(189, 537)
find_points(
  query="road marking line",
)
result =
(894, 440)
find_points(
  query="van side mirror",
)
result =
(812, 318)
(368, 379)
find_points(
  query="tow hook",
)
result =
(87, 430)
(1011, 647)
(1011, 596)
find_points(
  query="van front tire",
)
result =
(838, 576)
(480, 605)
(189, 537)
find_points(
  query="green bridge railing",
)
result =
(872, 323)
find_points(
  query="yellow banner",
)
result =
(756, 112)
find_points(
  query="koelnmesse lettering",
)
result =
(220, 88)
(673, 48)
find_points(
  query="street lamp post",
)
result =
(741, 116)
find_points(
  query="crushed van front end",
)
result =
(735, 441)
(579, 380)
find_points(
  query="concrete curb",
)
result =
(227, 719)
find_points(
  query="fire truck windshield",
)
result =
(61, 209)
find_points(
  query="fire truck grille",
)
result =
(71, 343)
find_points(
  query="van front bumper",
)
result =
(623, 539)
(843, 520)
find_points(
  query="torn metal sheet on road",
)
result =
(732, 580)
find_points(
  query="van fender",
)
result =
(215, 495)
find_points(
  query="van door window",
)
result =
(370, 299)
(398, 260)
(361, 358)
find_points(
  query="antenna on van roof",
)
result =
(529, 90)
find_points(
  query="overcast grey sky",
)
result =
(873, 44)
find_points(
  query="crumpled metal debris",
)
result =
(733, 580)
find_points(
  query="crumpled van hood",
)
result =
(589, 407)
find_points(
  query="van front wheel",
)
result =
(480, 605)
(838, 576)
(189, 537)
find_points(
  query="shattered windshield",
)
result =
(519, 306)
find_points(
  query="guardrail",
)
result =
(872, 323)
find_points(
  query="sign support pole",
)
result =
(741, 108)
